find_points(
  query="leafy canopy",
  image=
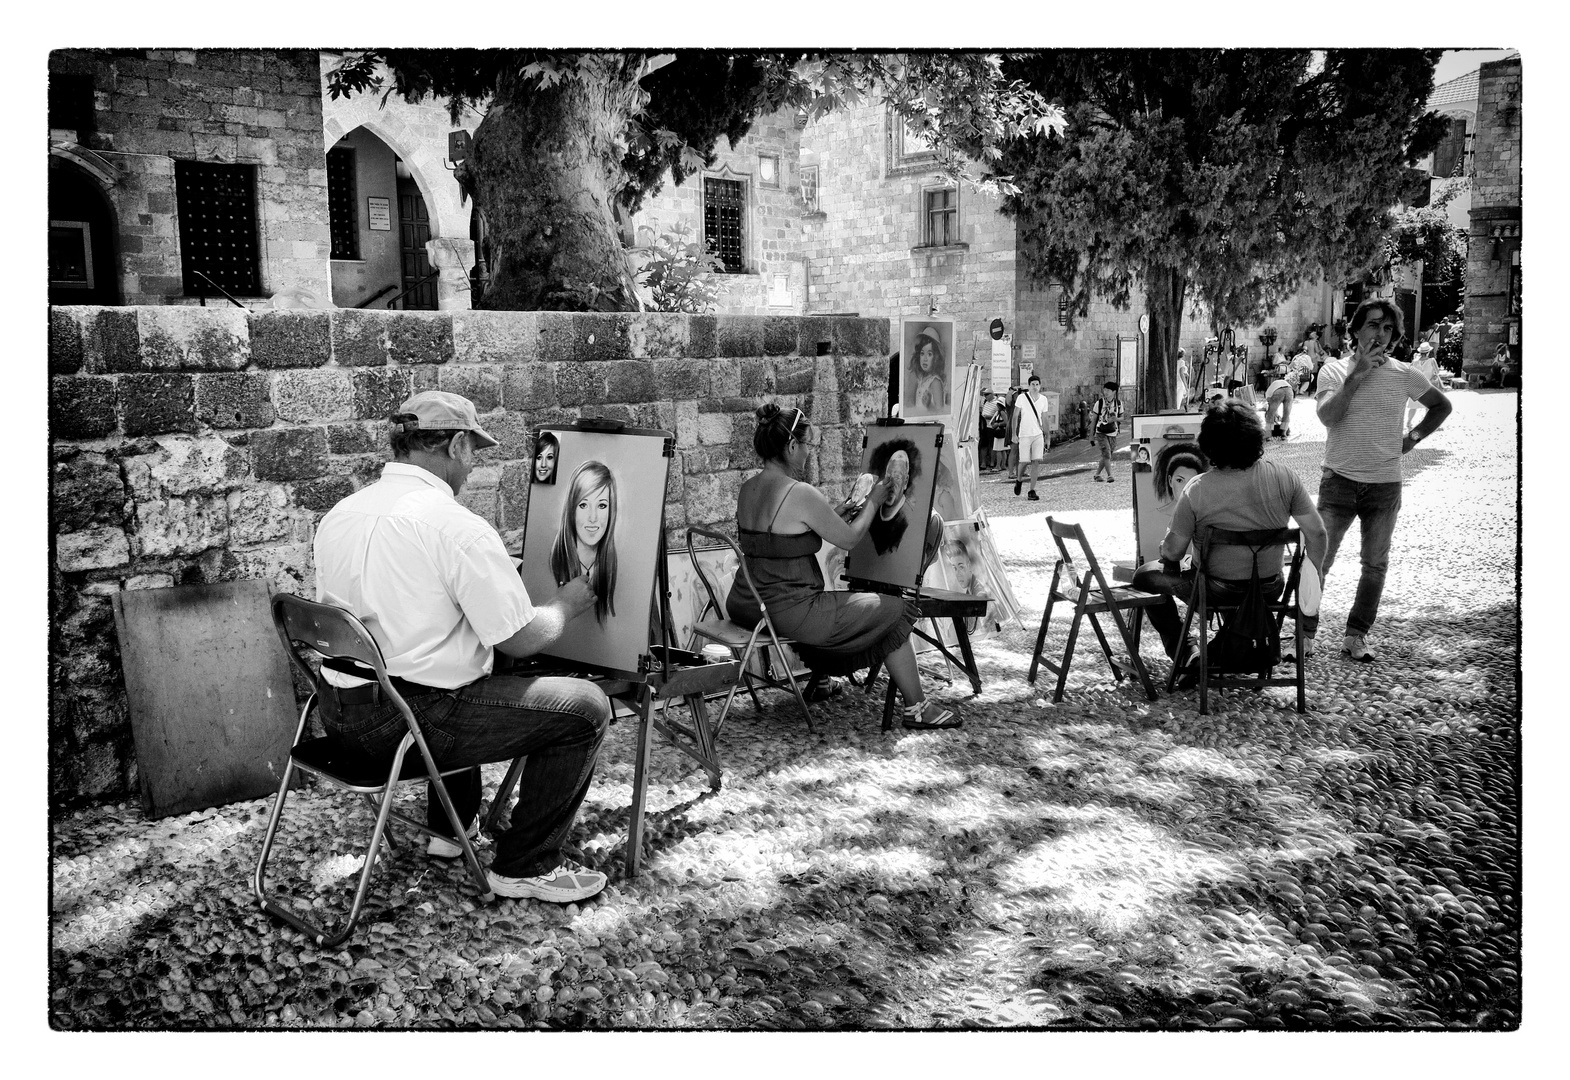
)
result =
(1235, 172)
(961, 104)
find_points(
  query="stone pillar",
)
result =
(453, 258)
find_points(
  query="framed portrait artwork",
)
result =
(596, 510)
(928, 375)
(890, 554)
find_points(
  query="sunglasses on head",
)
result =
(798, 422)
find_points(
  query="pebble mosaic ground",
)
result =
(1105, 863)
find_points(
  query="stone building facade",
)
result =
(140, 117)
(195, 445)
(1493, 271)
(856, 202)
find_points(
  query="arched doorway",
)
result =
(379, 227)
(83, 239)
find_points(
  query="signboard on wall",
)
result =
(1128, 361)
(1002, 363)
(1029, 351)
(378, 212)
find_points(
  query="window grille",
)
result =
(942, 217)
(71, 103)
(724, 208)
(343, 222)
(216, 204)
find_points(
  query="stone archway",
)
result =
(417, 134)
(84, 237)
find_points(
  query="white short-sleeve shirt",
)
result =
(430, 578)
(1365, 445)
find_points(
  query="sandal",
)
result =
(914, 718)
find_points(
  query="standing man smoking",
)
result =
(1361, 399)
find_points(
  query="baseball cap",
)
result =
(437, 410)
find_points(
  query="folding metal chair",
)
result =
(1200, 610)
(744, 644)
(332, 634)
(1091, 595)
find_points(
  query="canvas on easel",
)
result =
(600, 514)
(889, 556)
(1152, 514)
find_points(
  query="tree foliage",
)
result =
(1426, 233)
(1217, 178)
(617, 124)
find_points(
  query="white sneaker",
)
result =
(1352, 645)
(566, 884)
(442, 848)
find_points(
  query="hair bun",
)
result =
(767, 411)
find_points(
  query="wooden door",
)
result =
(414, 229)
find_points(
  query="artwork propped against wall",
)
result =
(928, 372)
(600, 514)
(890, 554)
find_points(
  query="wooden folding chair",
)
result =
(1200, 610)
(309, 629)
(1091, 596)
(744, 644)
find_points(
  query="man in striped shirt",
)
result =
(1361, 399)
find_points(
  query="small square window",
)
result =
(70, 255)
(940, 217)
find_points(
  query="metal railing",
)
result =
(202, 296)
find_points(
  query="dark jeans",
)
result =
(558, 722)
(1375, 507)
(1220, 591)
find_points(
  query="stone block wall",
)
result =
(259, 107)
(196, 445)
(1494, 236)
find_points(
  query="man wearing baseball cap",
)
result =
(434, 584)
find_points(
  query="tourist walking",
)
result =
(1030, 435)
(1361, 401)
(1106, 416)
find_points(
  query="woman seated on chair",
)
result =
(1241, 492)
(782, 522)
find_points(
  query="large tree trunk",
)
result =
(544, 167)
(1164, 291)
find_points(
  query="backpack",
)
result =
(1249, 640)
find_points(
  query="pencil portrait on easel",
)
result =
(598, 516)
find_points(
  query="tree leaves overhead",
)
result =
(1239, 170)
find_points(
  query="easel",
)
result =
(664, 674)
(930, 604)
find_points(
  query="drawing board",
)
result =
(600, 515)
(890, 553)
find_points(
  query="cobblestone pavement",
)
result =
(1107, 862)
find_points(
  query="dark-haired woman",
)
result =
(782, 522)
(1242, 491)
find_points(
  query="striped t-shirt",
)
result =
(1366, 445)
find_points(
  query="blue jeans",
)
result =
(558, 722)
(1375, 507)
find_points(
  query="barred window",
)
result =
(343, 222)
(942, 217)
(724, 210)
(216, 204)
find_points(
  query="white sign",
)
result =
(1128, 361)
(1029, 351)
(379, 213)
(779, 290)
(1025, 371)
(1002, 364)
